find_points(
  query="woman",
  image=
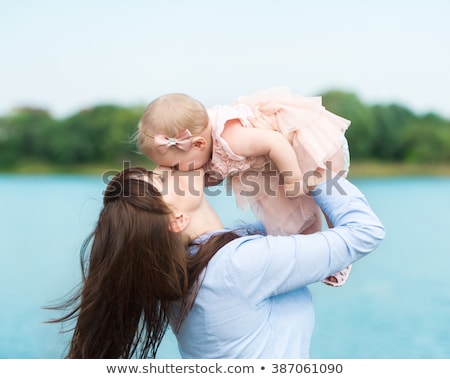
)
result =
(159, 255)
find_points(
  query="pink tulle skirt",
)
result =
(317, 137)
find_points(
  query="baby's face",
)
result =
(193, 159)
(182, 192)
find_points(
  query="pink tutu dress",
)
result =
(317, 137)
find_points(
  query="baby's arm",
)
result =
(254, 142)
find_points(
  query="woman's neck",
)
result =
(203, 220)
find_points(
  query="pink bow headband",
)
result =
(182, 141)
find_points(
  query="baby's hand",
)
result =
(212, 180)
(294, 189)
(318, 176)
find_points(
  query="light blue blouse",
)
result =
(254, 301)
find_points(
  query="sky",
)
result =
(65, 56)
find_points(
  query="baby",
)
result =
(265, 142)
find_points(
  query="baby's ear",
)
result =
(179, 223)
(199, 142)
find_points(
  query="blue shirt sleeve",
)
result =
(263, 266)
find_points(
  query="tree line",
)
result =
(103, 134)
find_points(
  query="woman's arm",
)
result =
(254, 142)
(265, 266)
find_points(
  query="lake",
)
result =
(396, 303)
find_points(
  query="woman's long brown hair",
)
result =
(133, 268)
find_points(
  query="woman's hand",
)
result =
(315, 179)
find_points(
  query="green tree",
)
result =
(427, 140)
(391, 121)
(97, 135)
(361, 134)
(23, 136)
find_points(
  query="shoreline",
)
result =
(357, 169)
(396, 169)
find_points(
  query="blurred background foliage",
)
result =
(102, 135)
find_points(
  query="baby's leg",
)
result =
(338, 279)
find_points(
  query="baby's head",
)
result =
(174, 131)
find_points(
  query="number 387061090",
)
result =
(307, 368)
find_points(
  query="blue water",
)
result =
(396, 303)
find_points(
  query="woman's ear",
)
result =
(199, 142)
(179, 223)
